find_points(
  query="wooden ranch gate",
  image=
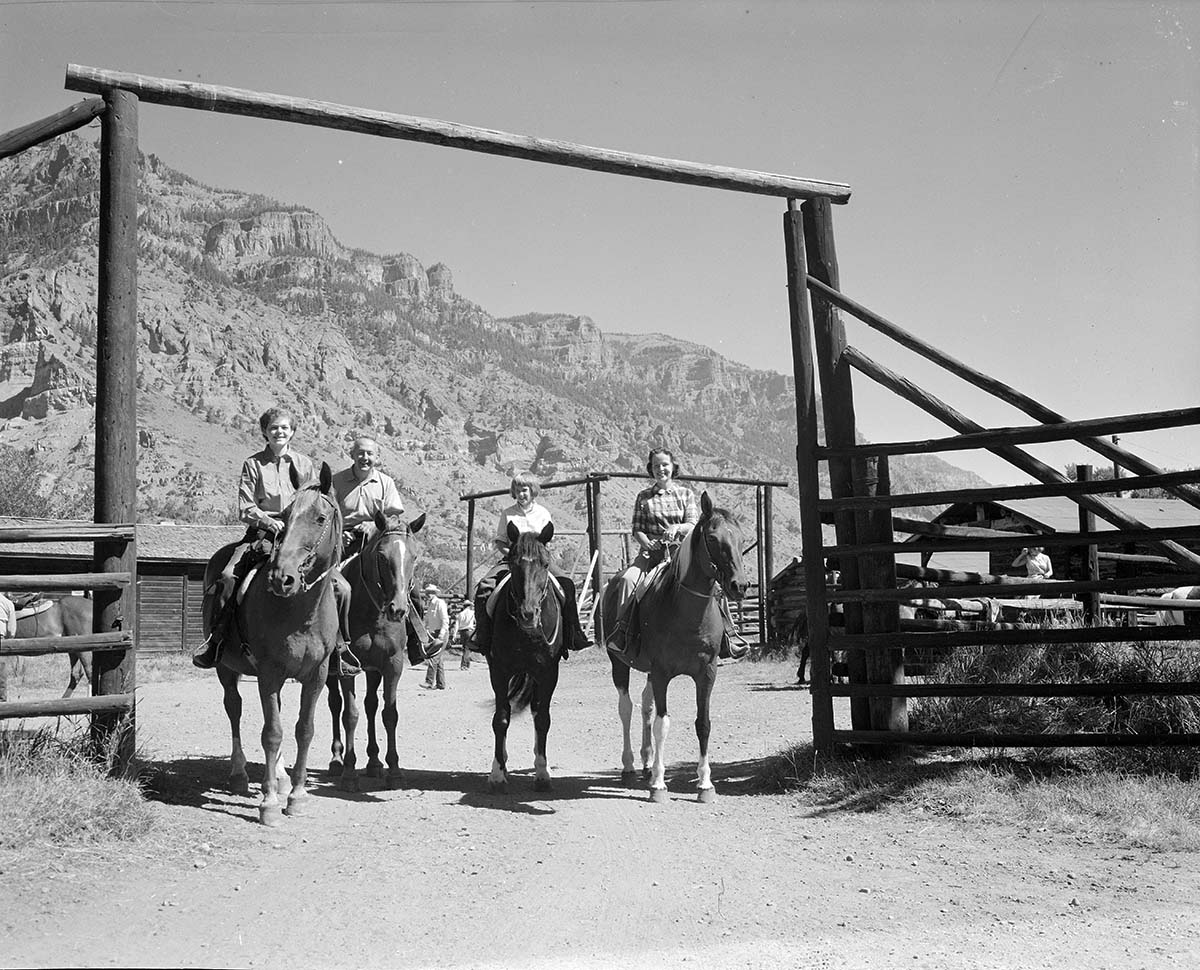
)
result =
(116, 439)
(114, 579)
(753, 616)
(861, 510)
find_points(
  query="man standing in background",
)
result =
(437, 624)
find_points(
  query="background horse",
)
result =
(287, 621)
(681, 629)
(1180, 617)
(527, 645)
(380, 577)
(69, 616)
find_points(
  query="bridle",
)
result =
(524, 572)
(311, 556)
(707, 566)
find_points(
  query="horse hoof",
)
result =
(659, 796)
(270, 815)
(395, 780)
(498, 787)
(543, 784)
(349, 783)
(374, 769)
(335, 767)
(629, 777)
(706, 796)
(295, 807)
(645, 774)
(239, 785)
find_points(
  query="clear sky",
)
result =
(1026, 175)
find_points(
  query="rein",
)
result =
(714, 577)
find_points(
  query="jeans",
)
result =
(435, 670)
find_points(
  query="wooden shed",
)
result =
(171, 561)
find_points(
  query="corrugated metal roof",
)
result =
(171, 542)
(1060, 514)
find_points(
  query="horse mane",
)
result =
(683, 558)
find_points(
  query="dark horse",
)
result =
(380, 577)
(287, 621)
(527, 639)
(681, 627)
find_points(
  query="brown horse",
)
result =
(380, 578)
(681, 627)
(69, 616)
(287, 626)
(527, 639)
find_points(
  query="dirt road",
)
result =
(443, 874)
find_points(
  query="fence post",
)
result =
(760, 565)
(837, 408)
(597, 548)
(1091, 556)
(807, 481)
(113, 672)
(470, 590)
(768, 543)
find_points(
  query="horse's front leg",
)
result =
(349, 780)
(272, 738)
(541, 730)
(391, 719)
(498, 779)
(239, 781)
(647, 720)
(336, 748)
(662, 727)
(705, 792)
(371, 708)
(310, 693)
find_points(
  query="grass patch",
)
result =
(1059, 794)
(56, 792)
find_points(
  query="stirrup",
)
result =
(348, 665)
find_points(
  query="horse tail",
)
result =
(520, 691)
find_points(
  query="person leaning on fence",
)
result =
(528, 515)
(663, 514)
(265, 492)
(437, 623)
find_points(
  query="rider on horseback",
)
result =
(266, 490)
(528, 515)
(662, 514)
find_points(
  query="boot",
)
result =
(209, 653)
(625, 641)
(345, 661)
(729, 649)
(575, 638)
(483, 627)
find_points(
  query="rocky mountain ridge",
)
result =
(244, 302)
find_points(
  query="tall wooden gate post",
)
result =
(768, 544)
(470, 590)
(1091, 555)
(807, 481)
(113, 672)
(596, 551)
(837, 399)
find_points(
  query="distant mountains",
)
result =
(244, 302)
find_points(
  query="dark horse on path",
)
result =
(527, 645)
(287, 621)
(380, 578)
(681, 626)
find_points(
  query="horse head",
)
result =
(717, 549)
(308, 548)
(529, 569)
(388, 561)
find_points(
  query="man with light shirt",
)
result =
(362, 490)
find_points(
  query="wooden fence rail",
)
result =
(118, 704)
(39, 646)
(20, 139)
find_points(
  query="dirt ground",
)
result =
(441, 873)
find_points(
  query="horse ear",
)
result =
(513, 533)
(415, 525)
(380, 520)
(326, 477)
(546, 534)
(294, 476)
(706, 505)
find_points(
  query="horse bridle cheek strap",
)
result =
(714, 576)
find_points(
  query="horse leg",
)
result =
(76, 673)
(498, 779)
(705, 793)
(541, 728)
(800, 678)
(239, 781)
(336, 748)
(648, 744)
(371, 707)
(391, 718)
(310, 692)
(662, 727)
(272, 739)
(349, 781)
(620, 678)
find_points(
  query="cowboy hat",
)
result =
(431, 588)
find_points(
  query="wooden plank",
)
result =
(1149, 602)
(906, 570)
(27, 136)
(1015, 456)
(997, 539)
(1053, 588)
(1173, 689)
(981, 739)
(106, 704)
(1010, 492)
(69, 531)
(325, 114)
(93, 581)
(1023, 402)
(1027, 636)
(1025, 434)
(38, 646)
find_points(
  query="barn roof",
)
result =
(1061, 514)
(161, 541)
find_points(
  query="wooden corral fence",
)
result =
(114, 579)
(752, 615)
(865, 545)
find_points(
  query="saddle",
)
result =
(494, 596)
(31, 604)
